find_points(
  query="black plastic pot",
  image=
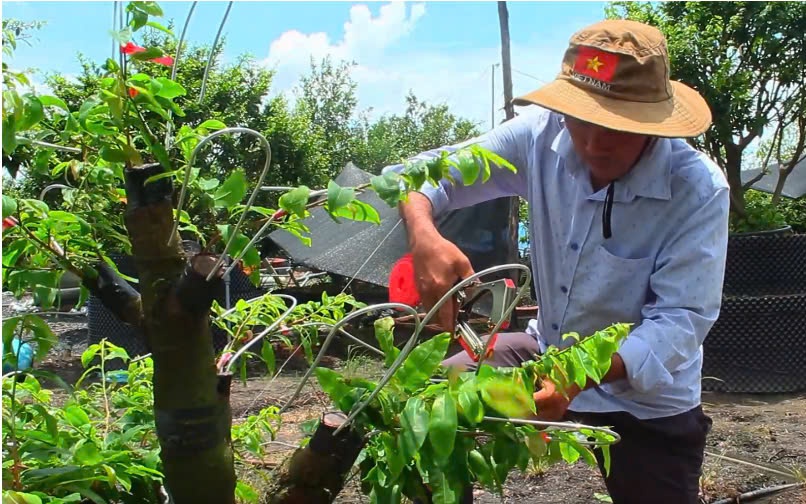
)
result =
(757, 345)
(766, 263)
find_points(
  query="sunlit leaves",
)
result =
(295, 201)
(232, 191)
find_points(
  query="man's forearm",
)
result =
(416, 214)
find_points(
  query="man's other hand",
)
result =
(552, 404)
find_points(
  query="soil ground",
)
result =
(763, 429)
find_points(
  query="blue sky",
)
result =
(442, 51)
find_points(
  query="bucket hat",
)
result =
(615, 74)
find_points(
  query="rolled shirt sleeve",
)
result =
(686, 294)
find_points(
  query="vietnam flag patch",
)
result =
(595, 63)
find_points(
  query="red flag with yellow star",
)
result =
(595, 63)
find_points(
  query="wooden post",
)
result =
(506, 64)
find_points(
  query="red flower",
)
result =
(9, 222)
(545, 437)
(133, 92)
(164, 60)
(131, 48)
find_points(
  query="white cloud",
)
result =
(460, 79)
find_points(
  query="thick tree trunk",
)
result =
(733, 170)
(191, 402)
(315, 474)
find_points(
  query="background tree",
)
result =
(393, 138)
(747, 59)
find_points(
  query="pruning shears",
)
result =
(503, 293)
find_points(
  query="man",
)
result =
(628, 224)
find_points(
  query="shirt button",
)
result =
(564, 289)
(574, 246)
(555, 326)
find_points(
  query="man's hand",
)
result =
(438, 265)
(551, 404)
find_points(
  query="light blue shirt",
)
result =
(662, 269)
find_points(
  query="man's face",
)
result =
(609, 154)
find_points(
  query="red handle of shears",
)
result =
(473, 355)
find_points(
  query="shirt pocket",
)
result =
(617, 287)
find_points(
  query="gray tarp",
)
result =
(485, 232)
(795, 186)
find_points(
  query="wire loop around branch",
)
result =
(225, 131)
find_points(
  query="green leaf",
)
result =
(32, 113)
(88, 454)
(267, 353)
(357, 210)
(157, 26)
(9, 206)
(76, 416)
(169, 89)
(232, 191)
(53, 101)
(417, 173)
(87, 492)
(507, 396)
(150, 8)
(394, 456)
(112, 154)
(149, 54)
(42, 335)
(211, 125)
(467, 166)
(423, 362)
(251, 257)
(332, 384)
(481, 468)
(9, 134)
(139, 19)
(337, 196)
(436, 168)
(469, 402)
(442, 427)
(569, 453)
(443, 492)
(387, 186)
(606, 458)
(414, 427)
(588, 367)
(294, 201)
(90, 353)
(12, 497)
(384, 333)
(245, 493)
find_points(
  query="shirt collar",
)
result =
(650, 178)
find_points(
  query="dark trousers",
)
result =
(657, 460)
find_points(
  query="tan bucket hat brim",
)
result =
(685, 115)
(615, 73)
